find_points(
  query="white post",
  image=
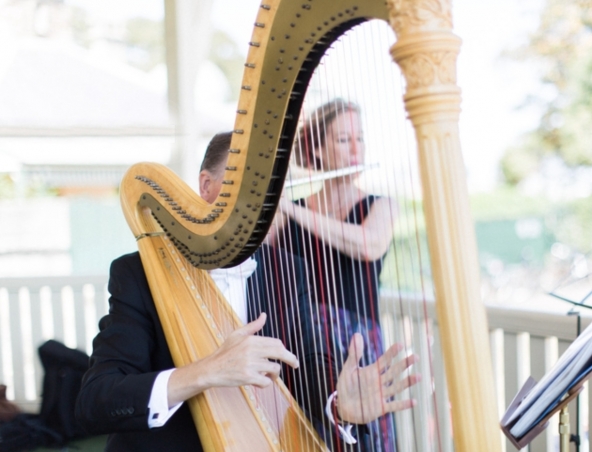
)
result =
(187, 38)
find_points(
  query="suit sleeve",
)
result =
(116, 389)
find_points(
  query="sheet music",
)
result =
(556, 382)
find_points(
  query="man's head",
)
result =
(212, 168)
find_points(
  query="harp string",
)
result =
(278, 323)
(278, 285)
(376, 41)
(400, 188)
(370, 59)
(408, 269)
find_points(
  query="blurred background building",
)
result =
(89, 88)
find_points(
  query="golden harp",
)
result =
(180, 236)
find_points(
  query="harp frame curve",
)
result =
(279, 66)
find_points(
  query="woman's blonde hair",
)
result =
(312, 134)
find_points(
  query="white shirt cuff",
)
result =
(344, 430)
(158, 406)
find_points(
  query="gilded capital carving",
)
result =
(429, 68)
(411, 16)
(426, 51)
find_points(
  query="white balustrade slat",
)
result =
(35, 297)
(6, 358)
(551, 356)
(16, 340)
(91, 303)
(68, 309)
(34, 310)
(444, 421)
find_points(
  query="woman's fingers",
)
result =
(396, 377)
(390, 391)
(395, 369)
(355, 352)
(389, 356)
(399, 405)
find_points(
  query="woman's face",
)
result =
(344, 142)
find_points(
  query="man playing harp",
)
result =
(133, 391)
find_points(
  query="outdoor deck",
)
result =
(523, 343)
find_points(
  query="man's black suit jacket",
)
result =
(130, 350)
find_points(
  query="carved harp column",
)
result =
(426, 51)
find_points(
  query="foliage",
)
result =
(522, 159)
(7, 186)
(36, 189)
(141, 39)
(80, 26)
(562, 47)
(406, 266)
(507, 203)
(569, 222)
(572, 224)
(33, 189)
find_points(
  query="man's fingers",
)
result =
(252, 327)
(260, 380)
(266, 371)
(278, 352)
(271, 369)
(261, 347)
(291, 360)
(268, 348)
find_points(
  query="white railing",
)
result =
(34, 310)
(523, 343)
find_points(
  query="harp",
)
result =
(180, 236)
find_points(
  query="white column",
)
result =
(187, 38)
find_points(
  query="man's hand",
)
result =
(366, 393)
(243, 359)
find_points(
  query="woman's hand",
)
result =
(243, 359)
(366, 393)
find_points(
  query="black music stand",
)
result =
(577, 291)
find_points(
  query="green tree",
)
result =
(7, 188)
(562, 47)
